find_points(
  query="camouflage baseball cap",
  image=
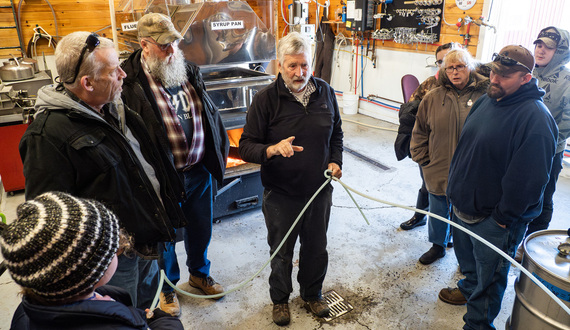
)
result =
(550, 36)
(159, 27)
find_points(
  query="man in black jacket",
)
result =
(298, 108)
(168, 92)
(83, 141)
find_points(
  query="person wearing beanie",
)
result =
(551, 55)
(496, 181)
(62, 251)
(86, 142)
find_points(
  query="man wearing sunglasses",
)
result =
(551, 55)
(83, 141)
(170, 95)
(496, 181)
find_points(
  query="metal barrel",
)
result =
(533, 308)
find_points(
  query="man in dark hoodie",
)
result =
(297, 108)
(551, 55)
(496, 181)
(170, 95)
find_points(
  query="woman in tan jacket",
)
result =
(436, 132)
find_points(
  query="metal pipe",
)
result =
(113, 24)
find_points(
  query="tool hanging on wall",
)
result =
(39, 33)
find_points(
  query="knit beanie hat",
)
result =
(60, 246)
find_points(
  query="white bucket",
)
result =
(349, 103)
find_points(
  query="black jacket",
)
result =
(139, 97)
(69, 148)
(90, 315)
(407, 117)
(275, 115)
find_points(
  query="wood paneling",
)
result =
(448, 33)
(72, 15)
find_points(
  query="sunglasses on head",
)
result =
(91, 42)
(505, 60)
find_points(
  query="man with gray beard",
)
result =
(169, 94)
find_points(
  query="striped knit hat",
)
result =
(60, 246)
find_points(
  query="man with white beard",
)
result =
(169, 94)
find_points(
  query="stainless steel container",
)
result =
(533, 308)
(13, 71)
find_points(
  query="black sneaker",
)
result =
(414, 222)
(434, 253)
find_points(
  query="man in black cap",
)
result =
(551, 54)
(170, 95)
(496, 181)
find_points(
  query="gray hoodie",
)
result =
(555, 80)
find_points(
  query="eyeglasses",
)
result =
(164, 47)
(439, 62)
(459, 68)
(505, 60)
(91, 42)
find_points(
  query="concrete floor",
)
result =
(374, 267)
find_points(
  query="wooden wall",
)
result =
(72, 15)
(448, 34)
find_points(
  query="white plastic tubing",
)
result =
(348, 189)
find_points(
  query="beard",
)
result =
(168, 74)
(495, 91)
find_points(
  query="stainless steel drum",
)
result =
(545, 257)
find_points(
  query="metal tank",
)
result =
(546, 257)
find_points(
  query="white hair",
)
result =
(67, 56)
(293, 43)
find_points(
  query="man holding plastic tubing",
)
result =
(293, 129)
(496, 181)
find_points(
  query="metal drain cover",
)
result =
(337, 305)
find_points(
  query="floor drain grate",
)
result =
(337, 305)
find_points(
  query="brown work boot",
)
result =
(207, 285)
(281, 315)
(318, 307)
(169, 303)
(452, 296)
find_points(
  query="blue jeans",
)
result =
(168, 261)
(139, 277)
(438, 231)
(198, 209)
(485, 270)
(543, 220)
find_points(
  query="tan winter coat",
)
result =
(439, 122)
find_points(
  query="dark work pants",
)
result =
(543, 220)
(422, 202)
(280, 213)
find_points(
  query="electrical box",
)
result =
(360, 15)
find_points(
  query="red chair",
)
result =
(409, 84)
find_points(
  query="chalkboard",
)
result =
(422, 15)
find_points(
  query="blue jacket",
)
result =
(503, 158)
(90, 315)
